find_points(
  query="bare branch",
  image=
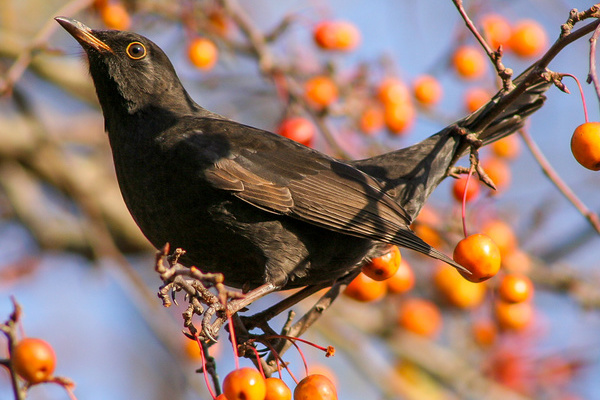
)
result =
(558, 182)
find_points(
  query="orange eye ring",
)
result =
(136, 50)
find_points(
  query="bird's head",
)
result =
(130, 72)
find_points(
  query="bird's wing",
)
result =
(227, 174)
(280, 176)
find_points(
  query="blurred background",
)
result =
(83, 273)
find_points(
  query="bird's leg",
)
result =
(211, 329)
(312, 315)
(261, 318)
(255, 294)
(471, 141)
(280, 346)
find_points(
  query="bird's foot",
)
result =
(205, 294)
(211, 328)
(471, 140)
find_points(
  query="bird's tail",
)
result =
(421, 246)
(514, 116)
(411, 174)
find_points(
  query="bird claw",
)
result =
(209, 329)
(173, 299)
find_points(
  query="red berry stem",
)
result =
(302, 356)
(585, 113)
(203, 358)
(260, 367)
(281, 87)
(329, 349)
(233, 341)
(278, 367)
(70, 393)
(67, 384)
(278, 359)
(464, 201)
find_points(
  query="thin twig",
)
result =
(464, 199)
(9, 328)
(260, 49)
(38, 42)
(558, 182)
(534, 75)
(495, 56)
(204, 369)
(585, 113)
(575, 16)
(593, 76)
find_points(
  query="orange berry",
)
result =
(371, 120)
(424, 226)
(496, 30)
(498, 171)
(502, 234)
(221, 397)
(585, 145)
(420, 316)
(509, 367)
(399, 117)
(528, 39)
(315, 387)
(393, 91)
(115, 16)
(513, 316)
(99, 4)
(321, 91)
(475, 98)
(558, 370)
(299, 129)
(203, 53)
(459, 186)
(348, 36)
(403, 280)
(277, 390)
(508, 147)
(456, 290)
(484, 332)
(427, 90)
(364, 289)
(337, 35)
(384, 267)
(515, 288)
(324, 35)
(219, 22)
(244, 384)
(428, 233)
(516, 261)
(192, 350)
(429, 216)
(479, 255)
(469, 62)
(34, 360)
(322, 369)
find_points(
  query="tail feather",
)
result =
(514, 116)
(408, 239)
(411, 174)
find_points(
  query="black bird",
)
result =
(263, 210)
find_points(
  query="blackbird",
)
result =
(262, 209)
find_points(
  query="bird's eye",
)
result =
(136, 50)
